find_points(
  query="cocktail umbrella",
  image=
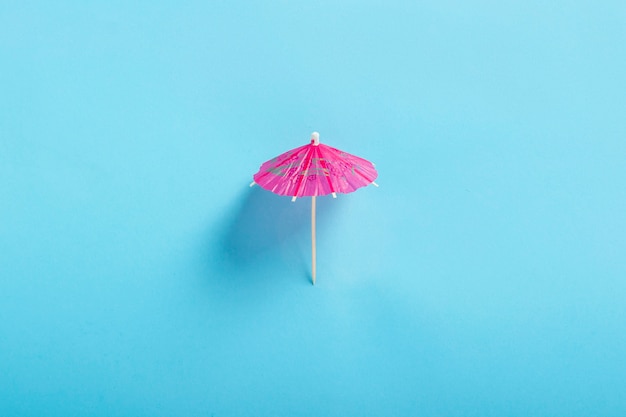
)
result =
(314, 170)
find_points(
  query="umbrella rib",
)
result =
(266, 167)
(307, 164)
(363, 176)
(354, 169)
(330, 184)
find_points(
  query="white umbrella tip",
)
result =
(315, 138)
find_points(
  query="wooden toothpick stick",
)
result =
(313, 239)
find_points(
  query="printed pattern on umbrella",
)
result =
(315, 170)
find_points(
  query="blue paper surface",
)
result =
(140, 276)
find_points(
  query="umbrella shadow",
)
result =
(266, 228)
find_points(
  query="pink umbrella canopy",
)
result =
(314, 170)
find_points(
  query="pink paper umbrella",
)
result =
(312, 170)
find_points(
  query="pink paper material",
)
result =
(313, 170)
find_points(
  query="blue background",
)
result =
(140, 276)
